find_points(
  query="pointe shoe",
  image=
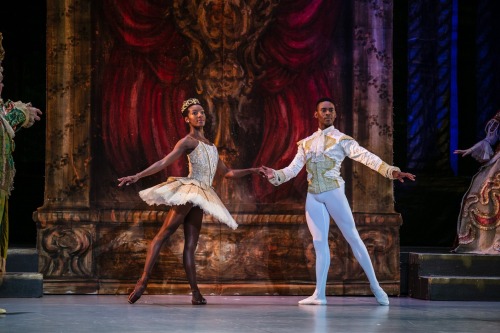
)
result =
(313, 300)
(380, 295)
(197, 298)
(139, 289)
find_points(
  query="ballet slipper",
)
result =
(313, 300)
(197, 298)
(380, 295)
(139, 289)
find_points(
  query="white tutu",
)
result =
(180, 190)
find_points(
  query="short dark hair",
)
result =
(324, 99)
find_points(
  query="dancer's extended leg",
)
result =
(192, 227)
(174, 219)
(318, 222)
(338, 207)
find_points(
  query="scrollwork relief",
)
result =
(66, 252)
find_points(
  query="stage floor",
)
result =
(106, 313)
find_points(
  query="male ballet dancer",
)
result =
(323, 153)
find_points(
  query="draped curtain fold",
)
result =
(143, 86)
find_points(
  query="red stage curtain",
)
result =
(297, 46)
(143, 87)
(143, 84)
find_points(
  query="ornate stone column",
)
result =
(65, 234)
(372, 195)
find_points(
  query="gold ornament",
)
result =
(187, 103)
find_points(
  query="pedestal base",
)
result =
(104, 252)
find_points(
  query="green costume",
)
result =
(12, 116)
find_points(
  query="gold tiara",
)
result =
(187, 103)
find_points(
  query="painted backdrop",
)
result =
(117, 72)
(257, 66)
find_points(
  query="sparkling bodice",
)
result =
(203, 163)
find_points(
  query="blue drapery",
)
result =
(436, 82)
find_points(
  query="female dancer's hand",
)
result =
(462, 152)
(267, 172)
(260, 171)
(128, 180)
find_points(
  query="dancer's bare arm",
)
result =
(180, 148)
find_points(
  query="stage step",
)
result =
(22, 260)
(404, 262)
(22, 278)
(22, 285)
(454, 277)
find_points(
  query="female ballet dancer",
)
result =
(189, 197)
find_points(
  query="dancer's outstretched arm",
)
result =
(226, 172)
(180, 148)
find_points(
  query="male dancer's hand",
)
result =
(399, 175)
(261, 172)
(267, 172)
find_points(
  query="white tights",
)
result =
(319, 208)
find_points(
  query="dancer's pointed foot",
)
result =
(313, 300)
(197, 298)
(380, 295)
(139, 289)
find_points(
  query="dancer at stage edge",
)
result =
(323, 153)
(189, 196)
(478, 222)
(13, 117)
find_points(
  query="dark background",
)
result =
(23, 28)
(429, 206)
